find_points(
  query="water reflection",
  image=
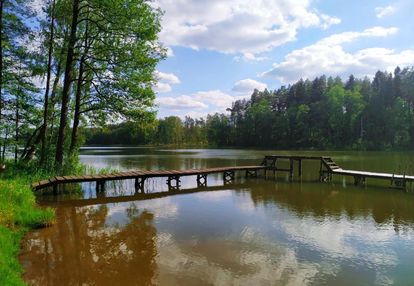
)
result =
(79, 249)
(254, 232)
(324, 200)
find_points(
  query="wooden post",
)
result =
(228, 177)
(300, 167)
(100, 186)
(177, 180)
(290, 169)
(321, 179)
(359, 180)
(139, 184)
(55, 189)
(202, 180)
(274, 165)
(398, 183)
(251, 173)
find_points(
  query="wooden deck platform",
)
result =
(173, 177)
(327, 169)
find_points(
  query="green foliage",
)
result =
(10, 269)
(18, 213)
(319, 114)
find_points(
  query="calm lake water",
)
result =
(252, 232)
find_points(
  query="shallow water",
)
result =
(252, 232)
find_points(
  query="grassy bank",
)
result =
(19, 213)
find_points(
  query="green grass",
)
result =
(10, 269)
(18, 214)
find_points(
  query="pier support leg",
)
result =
(300, 167)
(251, 173)
(325, 176)
(290, 170)
(139, 184)
(55, 189)
(398, 183)
(321, 173)
(100, 186)
(173, 183)
(359, 180)
(228, 177)
(202, 180)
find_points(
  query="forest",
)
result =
(323, 113)
(72, 63)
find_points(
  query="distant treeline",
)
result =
(325, 113)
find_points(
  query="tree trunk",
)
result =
(46, 103)
(6, 136)
(77, 113)
(53, 95)
(16, 135)
(66, 86)
(76, 118)
(1, 66)
(30, 148)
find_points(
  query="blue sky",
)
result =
(219, 51)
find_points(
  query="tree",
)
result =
(14, 40)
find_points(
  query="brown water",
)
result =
(253, 232)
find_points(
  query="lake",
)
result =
(251, 232)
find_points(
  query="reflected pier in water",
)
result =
(54, 201)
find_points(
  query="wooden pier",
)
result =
(173, 177)
(327, 169)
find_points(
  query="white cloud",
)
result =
(168, 77)
(347, 37)
(328, 21)
(250, 57)
(180, 103)
(215, 98)
(327, 56)
(237, 26)
(201, 103)
(198, 104)
(247, 86)
(170, 52)
(164, 81)
(382, 12)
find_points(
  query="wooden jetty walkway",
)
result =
(173, 177)
(327, 169)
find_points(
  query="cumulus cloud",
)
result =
(250, 57)
(179, 103)
(170, 52)
(246, 86)
(328, 56)
(164, 81)
(199, 104)
(237, 26)
(200, 100)
(382, 12)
